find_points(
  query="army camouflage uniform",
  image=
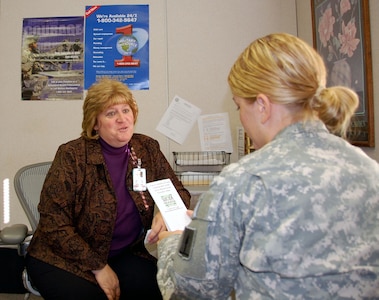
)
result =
(31, 79)
(297, 219)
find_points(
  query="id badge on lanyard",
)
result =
(139, 178)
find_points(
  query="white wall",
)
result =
(204, 40)
(192, 46)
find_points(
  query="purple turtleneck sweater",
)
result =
(128, 224)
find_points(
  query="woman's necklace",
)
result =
(137, 164)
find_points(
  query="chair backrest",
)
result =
(28, 183)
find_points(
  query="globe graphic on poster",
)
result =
(127, 45)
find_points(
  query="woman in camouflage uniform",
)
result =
(299, 217)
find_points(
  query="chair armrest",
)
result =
(14, 234)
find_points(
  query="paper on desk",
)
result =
(171, 206)
(178, 119)
(240, 141)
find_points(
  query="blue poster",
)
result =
(117, 44)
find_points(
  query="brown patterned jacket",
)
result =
(78, 204)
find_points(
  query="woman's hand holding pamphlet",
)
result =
(171, 207)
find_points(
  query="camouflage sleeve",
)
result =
(190, 268)
(166, 251)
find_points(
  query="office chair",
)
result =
(28, 183)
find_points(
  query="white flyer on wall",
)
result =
(178, 119)
(215, 133)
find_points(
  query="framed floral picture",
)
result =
(341, 34)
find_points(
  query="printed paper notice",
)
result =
(215, 133)
(178, 119)
(171, 206)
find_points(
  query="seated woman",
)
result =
(93, 219)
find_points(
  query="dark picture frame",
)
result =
(341, 34)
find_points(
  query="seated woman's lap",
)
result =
(56, 283)
(137, 277)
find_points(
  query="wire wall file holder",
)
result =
(199, 167)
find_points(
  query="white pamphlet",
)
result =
(171, 206)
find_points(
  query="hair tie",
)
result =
(319, 90)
